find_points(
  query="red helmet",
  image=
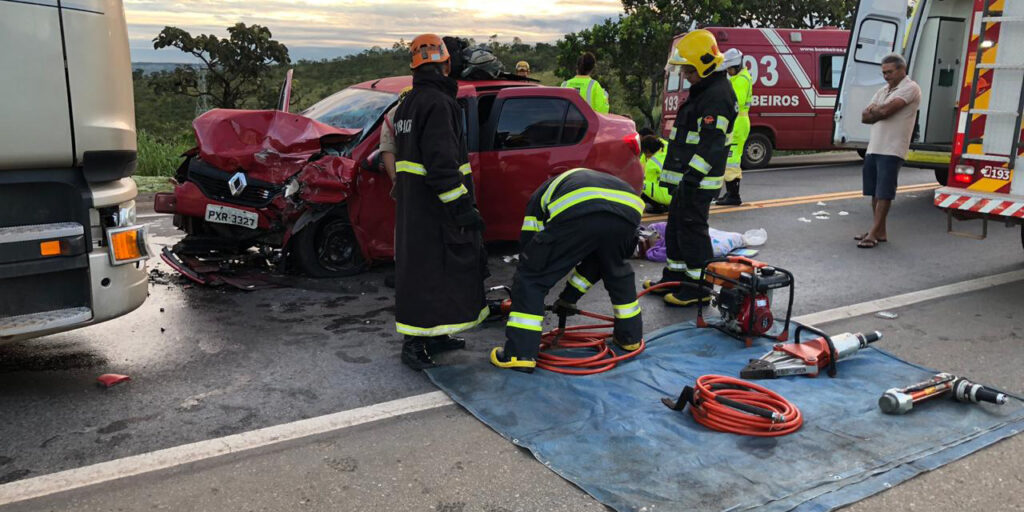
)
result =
(427, 49)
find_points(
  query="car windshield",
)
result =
(351, 108)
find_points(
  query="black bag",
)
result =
(456, 46)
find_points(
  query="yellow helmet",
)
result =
(522, 66)
(699, 49)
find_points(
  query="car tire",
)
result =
(328, 248)
(757, 152)
(942, 176)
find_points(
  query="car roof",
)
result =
(395, 84)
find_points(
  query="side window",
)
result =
(673, 81)
(575, 126)
(831, 67)
(875, 40)
(530, 123)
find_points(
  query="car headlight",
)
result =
(126, 215)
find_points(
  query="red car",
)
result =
(310, 183)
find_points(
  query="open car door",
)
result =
(877, 32)
(284, 98)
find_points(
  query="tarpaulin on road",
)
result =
(610, 434)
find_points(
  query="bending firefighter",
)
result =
(584, 219)
(743, 87)
(440, 264)
(695, 164)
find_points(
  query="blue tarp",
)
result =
(610, 434)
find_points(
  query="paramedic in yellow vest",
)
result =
(589, 88)
(653, 150)
(743, 86)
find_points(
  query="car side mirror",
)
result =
(372, 163)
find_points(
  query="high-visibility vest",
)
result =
(591, 91)
(743, 86)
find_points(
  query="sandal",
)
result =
(867, 243)
(865, 235)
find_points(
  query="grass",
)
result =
(159, 157)
(153, 184)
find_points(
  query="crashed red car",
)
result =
(311, 184)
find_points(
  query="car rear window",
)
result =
(351, 108)
(538, 122)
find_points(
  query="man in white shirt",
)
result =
(891, 114)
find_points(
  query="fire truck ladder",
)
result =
(1008, 70)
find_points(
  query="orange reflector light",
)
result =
(125, 245)
(50, 248)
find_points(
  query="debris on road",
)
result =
(804, 219)
(112, 379)
(888, 315)
(843, 213)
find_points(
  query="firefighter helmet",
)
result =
(523, 66)
(427, 49)
(733, 57)
(699, 49)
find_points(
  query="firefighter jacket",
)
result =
(697, 148)
(653, 188)
(742, 86)
(591, 91)
(575, 193)
(440, 262)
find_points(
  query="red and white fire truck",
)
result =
(966, 56)
(796, 76)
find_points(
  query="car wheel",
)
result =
(757, 152)
(328, 248)
(942, 176)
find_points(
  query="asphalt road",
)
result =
(206, 363)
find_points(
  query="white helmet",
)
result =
(733, 57)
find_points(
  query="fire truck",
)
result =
(796, 76)
(965, 55)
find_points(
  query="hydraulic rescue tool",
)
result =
(902, 400)
(499, 308)
(807, 357)
(742, 289)
(731, 405)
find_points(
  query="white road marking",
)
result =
(135, 465)
(907, 299)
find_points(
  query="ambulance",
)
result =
(796, 77)
(965, 55)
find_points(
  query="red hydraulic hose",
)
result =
(590, 336)
(719, 399)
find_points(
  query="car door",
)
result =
(532, 135)
(878, 31)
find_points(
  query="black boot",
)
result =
(732, 194)
(439, 344)
(414, 353)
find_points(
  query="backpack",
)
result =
(480, 64)
(456, 47)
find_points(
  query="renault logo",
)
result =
(237, 184)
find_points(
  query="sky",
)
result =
(314, 29)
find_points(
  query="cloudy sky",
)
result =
(315, 29)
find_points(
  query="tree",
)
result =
(236, 68)
(754, 13)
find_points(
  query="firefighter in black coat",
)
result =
(695, 165)
(440, 263)
(584, 219)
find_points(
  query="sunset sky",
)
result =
(314, 29)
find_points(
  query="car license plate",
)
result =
(233, 216)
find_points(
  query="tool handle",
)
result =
(967, 391)
(832, 353)
(871, 337)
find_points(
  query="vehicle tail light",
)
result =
(963, 173)
(127, 244)
(49, 248)
(633, 141)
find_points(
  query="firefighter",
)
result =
(695, 164)
(743, 87)
(589, 88)
(584, 219)
(653, 150)
(523, 69)
(440, 263)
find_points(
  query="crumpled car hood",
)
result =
(268, 145)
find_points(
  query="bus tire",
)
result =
(942, 176)
(758, 151)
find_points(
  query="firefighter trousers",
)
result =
(740, 133)
(598, 246)
(687, 242)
